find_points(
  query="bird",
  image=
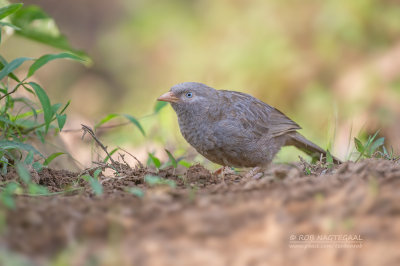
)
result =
(234, 129)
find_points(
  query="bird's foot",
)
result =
(223, 171)
(256, 173)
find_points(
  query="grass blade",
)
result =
(111, 153)
(172, 159)
(94, 184)
(52, 157)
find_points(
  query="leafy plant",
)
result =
(370, 147)
(94, 182)
(156, 180)
(6, 195)
(329, 159)
(172, 160)
(21, 118)
(135, 191)
(154, 160)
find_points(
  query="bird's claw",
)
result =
(256, 173)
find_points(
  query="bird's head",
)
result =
(189, 96)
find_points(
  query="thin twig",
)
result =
(140, 164)
(87, 129)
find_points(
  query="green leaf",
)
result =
(55, 107)
(155, 160)
(61, 119)
(37, 166)
(52, 157)
(49, 57)
(135, 191)
(105, 120)
(155, 180)
(5, 120)
(4, 62)
(94, 184)
(4, 162)
(97, 173)
(28, 103)
(172, 159)
(10, 67)
(29, 158)
(35, 24)
(7, 200)
(39, 133)
(329, 159)
(23, 173)
(6, 24)
(6, 195)
(185, 163)
(135, 122)
(35, 189)
(11, 187)
(45, 102)
(10, 9)
(376, 144)
(111, 153)
(359, 146)
(159, 105)
(8, 144)
(129, 117)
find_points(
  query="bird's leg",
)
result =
(221, 171)
(256, 173)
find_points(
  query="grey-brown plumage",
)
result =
(233, 128)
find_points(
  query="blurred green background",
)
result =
(333, 66)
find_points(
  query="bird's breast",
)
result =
(198, 134)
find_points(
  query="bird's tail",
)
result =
(303, 144)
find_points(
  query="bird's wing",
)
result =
(280, 123)
(258, 116)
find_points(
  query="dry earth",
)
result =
(204, 221)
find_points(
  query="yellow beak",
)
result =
(168, 97)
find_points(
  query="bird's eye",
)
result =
(189, 95)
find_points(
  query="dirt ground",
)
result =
(347, 215)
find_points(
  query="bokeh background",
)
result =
(333, 66)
